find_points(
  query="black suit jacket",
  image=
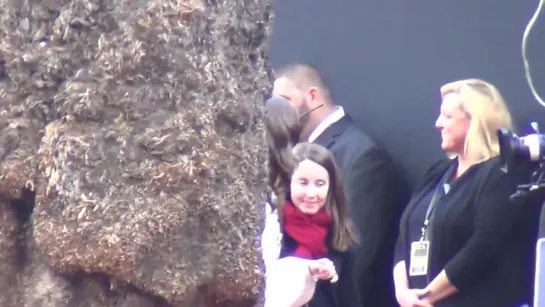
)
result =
(484, 242)
(376, 201)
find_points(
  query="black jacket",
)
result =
(342, 293)
(483, 241)
(376, 199)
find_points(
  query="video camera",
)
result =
(524, 152)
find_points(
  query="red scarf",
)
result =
(309, 231)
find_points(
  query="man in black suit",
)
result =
(371, 180)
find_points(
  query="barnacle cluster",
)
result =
(135, 127)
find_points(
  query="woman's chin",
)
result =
(309, 210)
(446, 147)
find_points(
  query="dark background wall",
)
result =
(385, 61)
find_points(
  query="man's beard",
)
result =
(304, 112)
(305, 120)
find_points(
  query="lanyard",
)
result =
(440, 191)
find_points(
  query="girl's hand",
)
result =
(323, 269)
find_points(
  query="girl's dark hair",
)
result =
(283, 131)
(342, 233)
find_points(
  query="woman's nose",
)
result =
(311, 192)
(438, 123)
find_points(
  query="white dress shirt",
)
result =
(328, 121)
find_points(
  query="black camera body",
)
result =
(528, 152)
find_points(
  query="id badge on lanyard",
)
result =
(420, 251)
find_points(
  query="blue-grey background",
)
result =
(385, 61)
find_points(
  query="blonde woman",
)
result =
(462, 242)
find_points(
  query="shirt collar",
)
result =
(326, 123)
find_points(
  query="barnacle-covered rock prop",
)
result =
(9, 254)
(131, 151)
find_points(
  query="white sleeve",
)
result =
(271, 237)
(288, 282)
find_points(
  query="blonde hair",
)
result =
(487, 111)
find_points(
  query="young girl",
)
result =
(308, 237)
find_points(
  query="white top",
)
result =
(328, 121)
(287, 280)
(271, 238)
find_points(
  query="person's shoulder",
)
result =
(495, 168)
(433, 173)
(493, 164)
(492, 169)
(437, 169)
(360, 142)
(354, 132)
(488, 179)
(492, 172)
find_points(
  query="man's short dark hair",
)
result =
(303, 75)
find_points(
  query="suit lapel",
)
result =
(328, 137)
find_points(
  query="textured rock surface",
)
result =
(9, 250)
(131, 152)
